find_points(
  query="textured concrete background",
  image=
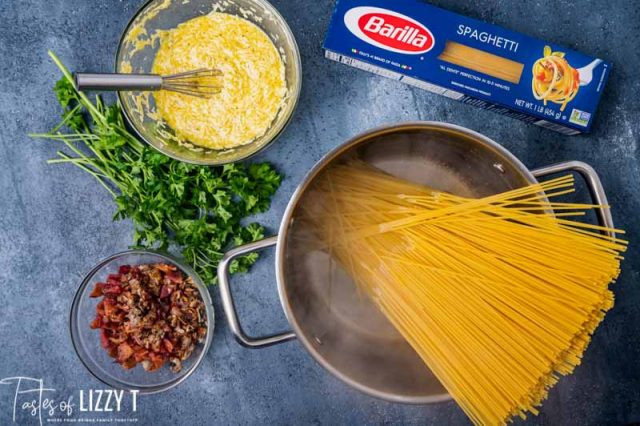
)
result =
(55, 221)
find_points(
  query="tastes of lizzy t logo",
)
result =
(30, 399)
(389, 30)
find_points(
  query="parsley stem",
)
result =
(59, 136)
(88, 170)
(196, 208)
(83, 98)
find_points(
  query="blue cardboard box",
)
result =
(470, 61)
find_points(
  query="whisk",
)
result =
(202, 83)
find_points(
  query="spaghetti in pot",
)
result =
(554, 79)
(497, 295)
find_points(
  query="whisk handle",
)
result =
(108, 82)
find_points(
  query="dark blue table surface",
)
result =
(55, 221)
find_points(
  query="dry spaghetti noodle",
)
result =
(499, 296)
(484, 62)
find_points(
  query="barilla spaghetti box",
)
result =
(469, 60)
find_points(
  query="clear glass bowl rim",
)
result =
(112, 381)
(213, 162)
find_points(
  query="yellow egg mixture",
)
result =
(253, 81)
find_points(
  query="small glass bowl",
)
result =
(86, 341)
(136, 54)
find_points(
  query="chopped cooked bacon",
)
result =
(150, 314)
(165, 291)
(111, 288)
(124, 352)
(97, 290)
(174, 277)
(104, 339)
(129, 364)
(141, 355)
(168, 345)
(164, 267)
(96, 323)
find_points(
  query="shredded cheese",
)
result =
(253, 81)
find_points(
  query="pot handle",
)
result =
(593, 183)
(230, 307)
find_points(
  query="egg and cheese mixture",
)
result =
(253, 81)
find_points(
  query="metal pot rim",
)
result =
(293, 202)
(589, 175)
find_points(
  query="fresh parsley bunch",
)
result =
(198, 208)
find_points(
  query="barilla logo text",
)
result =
(389, 30)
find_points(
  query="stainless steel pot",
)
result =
(346, 334)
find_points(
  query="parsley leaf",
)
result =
(199, 209)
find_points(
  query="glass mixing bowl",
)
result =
(136, 54)
(86, 340)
